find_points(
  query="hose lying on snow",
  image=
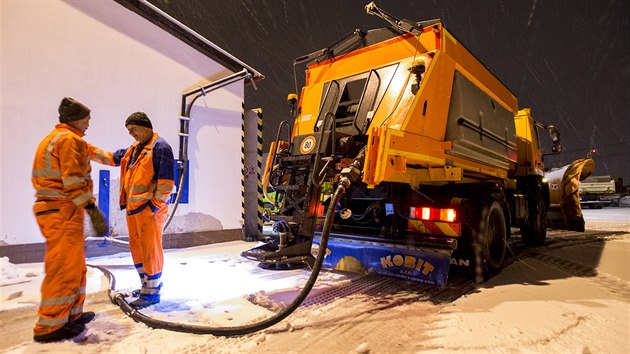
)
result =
(118, 298)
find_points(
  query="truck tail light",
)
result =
(432, 214)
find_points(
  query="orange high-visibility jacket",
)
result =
(147, 180)
(61, 169)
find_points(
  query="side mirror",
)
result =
(554, 133)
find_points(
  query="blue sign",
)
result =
(413, 264)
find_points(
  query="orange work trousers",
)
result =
(63, 288)
(145, 244)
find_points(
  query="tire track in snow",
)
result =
(614, 285)
(355, 310)
(566, 239)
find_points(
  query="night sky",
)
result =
(569, 60)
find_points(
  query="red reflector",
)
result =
(319, 210)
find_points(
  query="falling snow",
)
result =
(568, 60)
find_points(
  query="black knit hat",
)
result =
(71, 110)
(139, 118)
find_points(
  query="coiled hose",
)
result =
(118, 298)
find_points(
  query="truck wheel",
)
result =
(534, 230)
(494, 235)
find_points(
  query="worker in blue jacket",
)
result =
(146, 182)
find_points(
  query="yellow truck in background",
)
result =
(597, 192)
(442, 160)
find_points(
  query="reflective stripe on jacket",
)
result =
(149, 180)
(61, 169)
(103, 157)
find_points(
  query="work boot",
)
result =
(85, 317)
(142, 303)
(68, 331)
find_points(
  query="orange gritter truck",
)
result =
(442, 163)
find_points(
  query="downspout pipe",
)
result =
(184, 126)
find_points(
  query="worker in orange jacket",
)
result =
(63, 188)
(146, 182)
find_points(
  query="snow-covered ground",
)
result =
(572, 296)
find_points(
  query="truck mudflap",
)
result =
(565, 212)
(418, 264)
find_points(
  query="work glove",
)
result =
(97, 219)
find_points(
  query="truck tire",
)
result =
(494, 238)
(534, 229)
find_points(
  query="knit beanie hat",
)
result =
(71, 110)
(139, 118)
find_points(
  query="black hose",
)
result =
(182, 175)
(183, 155)
(119, 299)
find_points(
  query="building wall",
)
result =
(116, 62)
